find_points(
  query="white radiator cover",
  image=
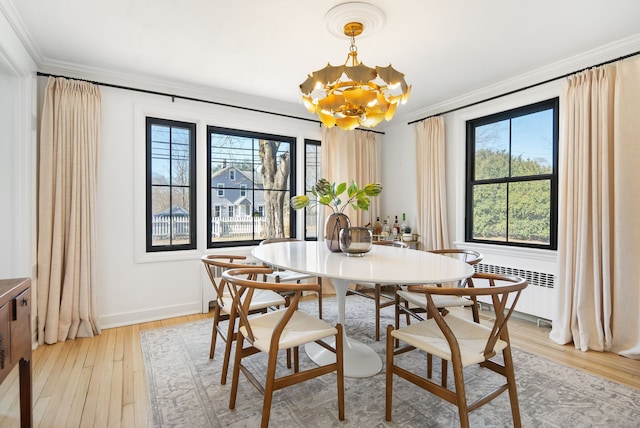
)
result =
(538, 299)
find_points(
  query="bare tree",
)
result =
(275, 175)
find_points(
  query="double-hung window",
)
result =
(258, 196)
(512, 177)
(171, 185)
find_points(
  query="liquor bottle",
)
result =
(385, 227)
(377, 226)
(396, 227)
(403, 225)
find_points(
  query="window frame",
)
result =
(292, 141)
(471, 125)
(150, 248)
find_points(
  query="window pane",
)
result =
(255, 172)
(532, 144)
(311, 174)
(492, 150)
(490, 212)
(160, 223)
(530, 212)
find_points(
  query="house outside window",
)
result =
(232, 174)
(512, 177)
(217, 210)
(264, 166)
(170, 185)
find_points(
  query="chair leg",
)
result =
(288, 358)
(296, 359)
(429, 366)
(511, 382)
(376, 295)
(268, 388)
(444, 373)
(320, 299)
(340, 370)
(461, 397)
(389, 374)
(231, 336)
(214, 331)
(235, 377)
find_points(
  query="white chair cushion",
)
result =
(301, 328)
(472, 338)
(262, 299)
(419, 300)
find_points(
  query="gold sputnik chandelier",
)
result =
(353, 94)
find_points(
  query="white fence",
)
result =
(163, 227)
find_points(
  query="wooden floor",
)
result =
(100, 382)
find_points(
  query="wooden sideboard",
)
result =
(15, 339)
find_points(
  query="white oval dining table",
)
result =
(382, 265)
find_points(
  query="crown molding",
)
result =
(16, 23)
(172, 87)
(608, 52)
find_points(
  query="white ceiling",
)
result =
(446, 48)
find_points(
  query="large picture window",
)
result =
(171, 185)
(256, 200)
(511, 196)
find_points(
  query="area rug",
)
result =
(185, 391)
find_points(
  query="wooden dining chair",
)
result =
(414, 303)
(461, 341)
(214, 265)
(269, 333)
(380, 299)
(285, 275)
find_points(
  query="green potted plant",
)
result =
(328, 194)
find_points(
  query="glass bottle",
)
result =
(377, 226)
(403, 225)
(396, 227)
(385, 227)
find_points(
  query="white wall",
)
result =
(17, 156)
(133, 286)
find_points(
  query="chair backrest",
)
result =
(216, 264)
(470, 257)
(242, 284)
(503, 289)
(392, 243)
(272, 240)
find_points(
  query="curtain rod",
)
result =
(182, 97)
(523, 89)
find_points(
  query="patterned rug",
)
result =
(185, 391)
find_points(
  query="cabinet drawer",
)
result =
(21, 324)
(5, 341)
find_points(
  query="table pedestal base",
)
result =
(359, 359)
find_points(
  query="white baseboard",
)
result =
(123, 319)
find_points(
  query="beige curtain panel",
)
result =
(69, 135)
(432, 189)
(598, 238)
(351, 155)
